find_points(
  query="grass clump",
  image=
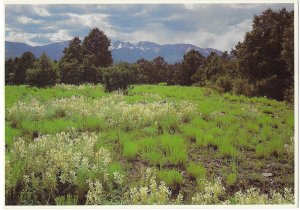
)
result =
(172, 178)
(174, 149)
(164, 149)
(274, 147)
(130, 149)
(196, 171)
(231, 179)
(226, 149)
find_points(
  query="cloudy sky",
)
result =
(218, 26)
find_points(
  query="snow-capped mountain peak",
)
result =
(121, 50)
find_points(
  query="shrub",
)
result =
(52, 162)
(162, 84)
(210, 194)
(70, 72)
(242, 86)
(254, 196)
(43, 74)
(224, 84)
(117, 77)
(148, 192)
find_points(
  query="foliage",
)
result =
(96, 44)
(118, 77)
(70, 72)
(192, 60)
(263, 53)
(9, 69)
(254, 196)
(69, 65)
(69, 156)
(43, 74)
(20, 67)
(148, 192)
(211, 193)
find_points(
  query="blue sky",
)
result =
(218, 26)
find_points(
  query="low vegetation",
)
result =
(69, 145)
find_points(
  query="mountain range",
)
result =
(121, 51)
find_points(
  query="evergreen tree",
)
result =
(21, 65)
(70, 64)
(44, 73)
(9, 69)
(97, 44)
(192, 60)
(266, 54)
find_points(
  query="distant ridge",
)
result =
(121, 51)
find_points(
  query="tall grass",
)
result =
(171, 177)
(197, 171)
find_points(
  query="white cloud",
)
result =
(27, 20)
(205, 25)
(90, 21)
(60, 35)
(18, 36)
(29, 38)
(41, 11)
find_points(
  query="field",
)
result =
(153, 144)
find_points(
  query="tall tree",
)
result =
(74, 51)
(9, 69)
(160, 69)
(97, 44)
(210, 70)
(69, 65)
(21, 65)
(262, 53)
(192, 60)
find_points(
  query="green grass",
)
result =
(10, 135)
(274, 147)
(50, 126)
(130, 150)
(196, 171)
(164, 149)
(231, 179)
(171, 177)
(224, 132)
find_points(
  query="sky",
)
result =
(219, 26)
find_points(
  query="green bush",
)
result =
(43, 74)
(118, 77)
(70, 72)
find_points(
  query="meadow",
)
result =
(151, 144)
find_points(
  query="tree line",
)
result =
(261, 65)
